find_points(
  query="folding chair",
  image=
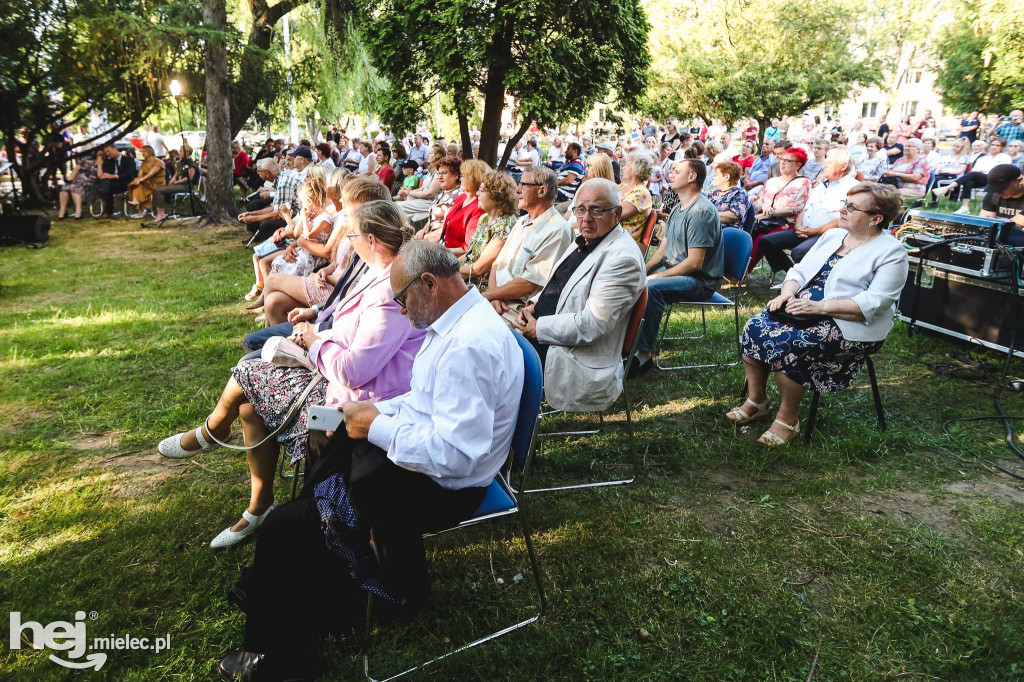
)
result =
(636, 320)
(499, 502)
(648, 233)
(738, 245)
(96, 205)
(874, 390)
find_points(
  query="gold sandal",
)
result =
(763, 411)
(768, 438)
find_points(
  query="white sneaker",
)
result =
(963, 210)
(171, 447)
(228, 537)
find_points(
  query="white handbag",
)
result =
(281, 351)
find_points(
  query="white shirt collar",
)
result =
(444, 324)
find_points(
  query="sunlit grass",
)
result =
(725, 561)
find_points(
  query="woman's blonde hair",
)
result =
(600, 166)
(151, 150)
(439, 153)
(336, 180)
(474, 172)
(502, 190)
(386, 222)
(313, 191)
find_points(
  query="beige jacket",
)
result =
(583, 371)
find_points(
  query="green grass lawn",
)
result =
(881, 555)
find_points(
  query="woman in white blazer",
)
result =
(843, 294)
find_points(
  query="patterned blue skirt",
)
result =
(817, 358)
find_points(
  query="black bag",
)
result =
(795, 321)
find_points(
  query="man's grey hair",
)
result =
(547, 177)
(269, 165)
(605, 188)
(914, 142)
(421, 256)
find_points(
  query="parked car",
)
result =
(947, 134)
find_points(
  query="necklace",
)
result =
(849, 249)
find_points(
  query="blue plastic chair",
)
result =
(499, 502)
(738, 245)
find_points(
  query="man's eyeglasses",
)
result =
(593, 211)
(850, 208)
(523, 183)
(399, 298)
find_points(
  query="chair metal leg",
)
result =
(656, 355)
(534, 565)
(552, 434)
(874, 390)
(810, 419)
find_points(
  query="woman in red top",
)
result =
(746, 156)
(241, 167)
(462, 218)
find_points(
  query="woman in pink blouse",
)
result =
(366, 355)
(782, 199)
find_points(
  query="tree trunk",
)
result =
(254, 58)
(467, 144)
(499, 55)
(219, 189)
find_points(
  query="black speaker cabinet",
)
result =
(24, 229)
(965, 308)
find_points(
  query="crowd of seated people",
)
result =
(399, 304)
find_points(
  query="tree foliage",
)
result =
(725, 59)
(59, 61)
(981, 64)
(542, 55)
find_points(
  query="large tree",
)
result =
(981, 64)
(727, 60)
(219, 195)
(542, 57)
(60, 61)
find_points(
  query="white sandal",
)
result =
(769, 438)
(254, 293)
(171, 447)
(762, 411)
(228, 537)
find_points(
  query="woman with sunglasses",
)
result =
(367, 354)
(834, 310)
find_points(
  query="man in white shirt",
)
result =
(556, 154)
(819, 215)
(416, 463)
(532, 248)
(156, 141)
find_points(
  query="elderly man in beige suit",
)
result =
(578, 321)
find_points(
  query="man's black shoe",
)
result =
(243, 666)
(638, 370)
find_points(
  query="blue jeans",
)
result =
(254, 342)
(661, 292)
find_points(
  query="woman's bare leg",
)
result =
(63, 199)
(789, 405)
(757, 384)
(262, 463)
(278, 305)
(77, 198)
(222, 417)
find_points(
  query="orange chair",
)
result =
(648, 233)
(636, 320)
